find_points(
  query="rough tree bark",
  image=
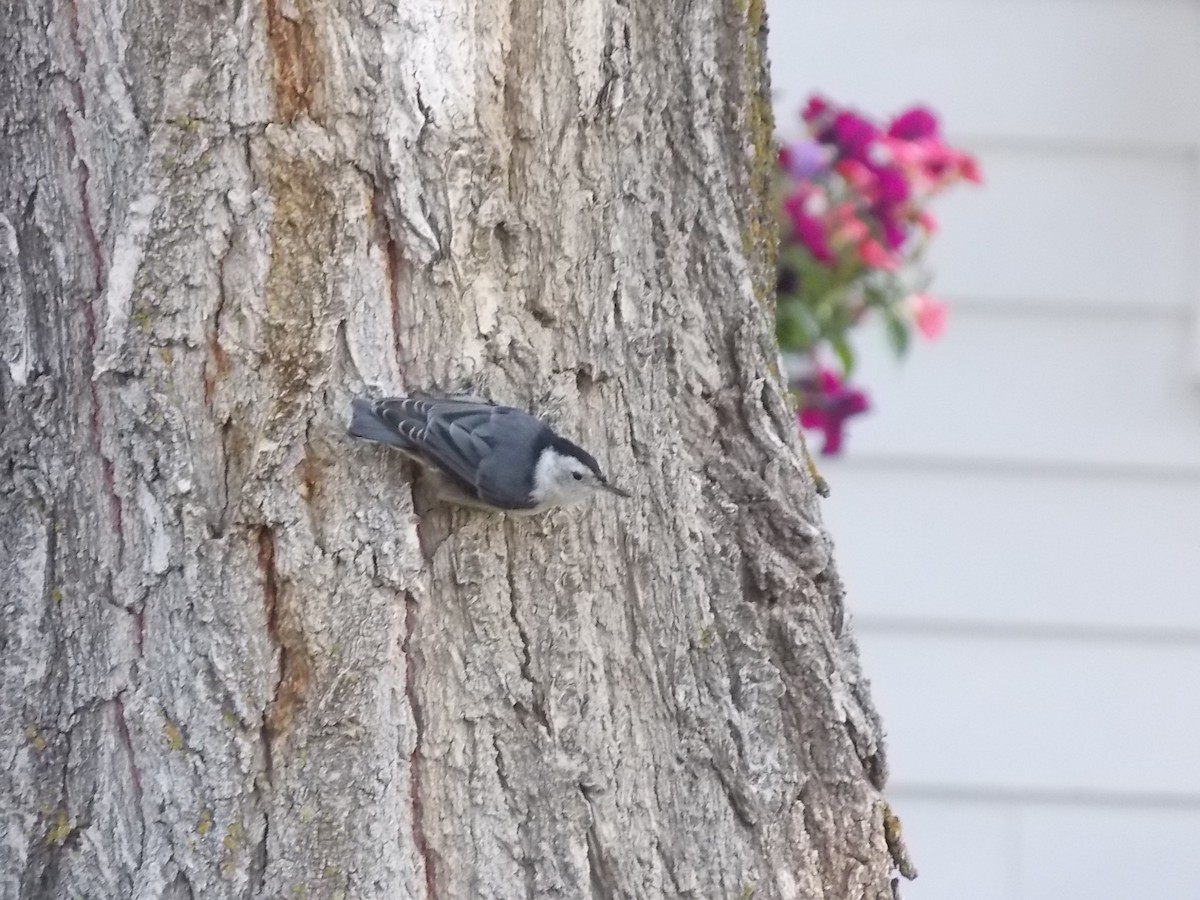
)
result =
(237, 660)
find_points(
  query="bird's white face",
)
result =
(561, 480)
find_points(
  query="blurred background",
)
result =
(1018, 519)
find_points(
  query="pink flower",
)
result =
(845, 226)
(857, 174)
(875, 256)
(939, 165)
(929, 315)
(968, 167)
(826, 403)
(850, 230)
(905, 154)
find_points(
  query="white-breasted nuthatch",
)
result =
(483, 455)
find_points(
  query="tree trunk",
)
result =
(239, 660)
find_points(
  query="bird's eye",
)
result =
(578, 476)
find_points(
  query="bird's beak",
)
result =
(613, 489)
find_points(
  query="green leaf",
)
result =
(845, 353)
(897, 333)
(794, 326)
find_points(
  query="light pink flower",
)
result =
(929, 315)
(968, 167)
(850, 231)
(858, 176)
(874, 255)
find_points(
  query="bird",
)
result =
(482, 454)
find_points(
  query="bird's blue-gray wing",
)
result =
(462, 438)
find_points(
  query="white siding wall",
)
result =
(1019, 522)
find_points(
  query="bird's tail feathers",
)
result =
(367, 425)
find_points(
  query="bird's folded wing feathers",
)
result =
(452, 434)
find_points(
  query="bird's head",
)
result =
(566, 474)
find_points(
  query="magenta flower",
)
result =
(825, 405)
(893, 186)
(807, 229)
(894, 233)
(816, 109)
(854, 135)
(914, 124)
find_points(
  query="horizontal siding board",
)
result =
(1082, 228)
(1034, 851)
(961, 851)
(1054, 388)
(1037, 715)
(1121, 71)
(1107, 854)
(1074, 554)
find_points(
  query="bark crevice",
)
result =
(412, 691)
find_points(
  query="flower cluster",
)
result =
(855, 226)
(826, 403)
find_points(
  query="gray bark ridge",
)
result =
(238, 658)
